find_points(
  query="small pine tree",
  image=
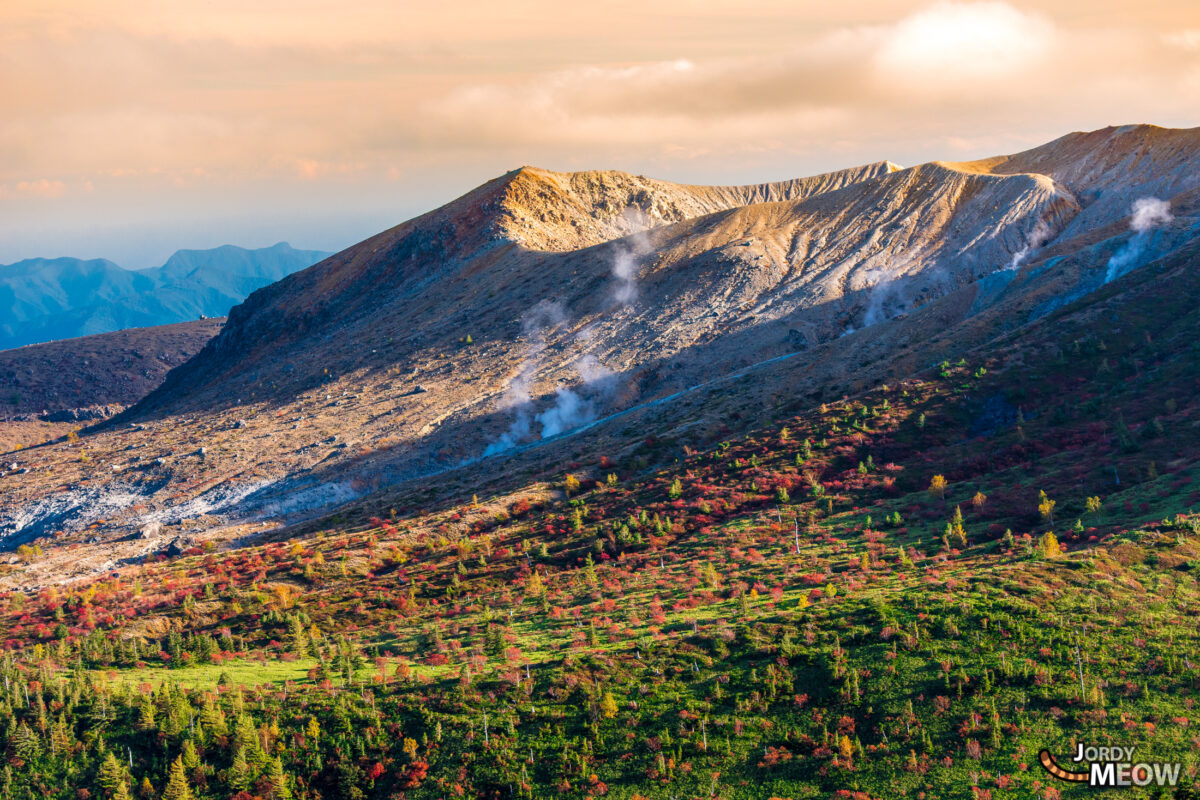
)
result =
(177, 783)
(1046, 507)
(534, 587)
(191, 758)
(1048, 545)
(608, 706)
(937, 486)
(955, 530)
(111, 775)
(299, 637)
(279, 781)
(239, 772)
(146, 714)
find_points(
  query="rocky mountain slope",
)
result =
(542, 304)
(61, 298)
(911, 592)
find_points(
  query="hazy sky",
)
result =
(132, 128)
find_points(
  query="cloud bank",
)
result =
(136, 110)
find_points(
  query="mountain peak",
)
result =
(560, 211)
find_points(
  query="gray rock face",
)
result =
(178, 545)
(88, 414)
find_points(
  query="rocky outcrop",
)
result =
(83, 415)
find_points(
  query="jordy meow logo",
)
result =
(1112, 767)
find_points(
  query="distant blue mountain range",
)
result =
(42, 299)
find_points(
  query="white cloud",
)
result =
(957, 42)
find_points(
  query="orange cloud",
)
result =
(42, 187)
(225, 102)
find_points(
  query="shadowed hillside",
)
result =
(108, 369)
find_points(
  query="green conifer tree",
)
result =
(177, 783)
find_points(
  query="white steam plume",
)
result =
(1148, 213)
(627, 255)
(570, 409)
(1037, 237)
(879, 296)
(898, 294)
(572, 406)
(538, 322)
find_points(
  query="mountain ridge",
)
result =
(479, 328)
(62, 298)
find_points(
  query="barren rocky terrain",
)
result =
(542, 304)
